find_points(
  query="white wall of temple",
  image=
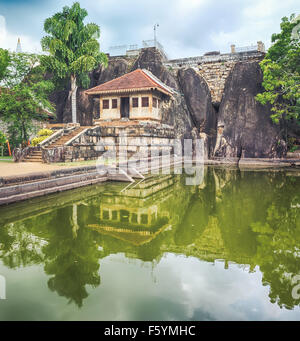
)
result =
(156, 107)
(110, 113)
(151, 111)
(140, 112)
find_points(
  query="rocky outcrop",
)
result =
(152, 60)
(85, 107)
(116, 68)
(174, 112)
(244, 125)
(241, 128)
(59, 98)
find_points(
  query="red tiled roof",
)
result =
(134, 81)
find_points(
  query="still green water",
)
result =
(227, 249)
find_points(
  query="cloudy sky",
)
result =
(186, 27)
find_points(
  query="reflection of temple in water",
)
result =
(69, 233)
(137, 214)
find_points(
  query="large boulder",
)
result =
(244, 125)
(116, 67)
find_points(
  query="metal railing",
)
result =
(247, 48)
(122, 50)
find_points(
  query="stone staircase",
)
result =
(65, 138)
(36, 155)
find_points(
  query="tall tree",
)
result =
(281, 72)
(4, 62)
(23, 97)
(73, 49)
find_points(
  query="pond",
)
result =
(225, 249)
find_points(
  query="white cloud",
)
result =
(268, 8)
(186, 28)
(259, 21)
(9, 40)
(193, 5)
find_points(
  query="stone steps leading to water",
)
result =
(14, 189)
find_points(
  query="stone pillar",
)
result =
(260, 46)
(232, 49)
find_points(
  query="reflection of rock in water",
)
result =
(227, 218)
(140, 213)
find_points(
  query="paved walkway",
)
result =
(25, 168)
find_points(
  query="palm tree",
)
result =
(73, 49)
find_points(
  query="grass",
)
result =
(6, 159)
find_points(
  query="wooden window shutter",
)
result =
(135, 102)
(145, 101)
(105, 103)
(114, 103)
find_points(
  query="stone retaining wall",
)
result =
(131, 139)
(215, 75)
(20, 154)
(215, 69)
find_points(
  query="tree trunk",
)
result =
(24, 133)
(75, 226)
(73, 99)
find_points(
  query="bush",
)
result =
(292, 146)
(45, 132)
(35, 141)
(42, 135)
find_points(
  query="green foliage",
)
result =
(24, 98)
(281, 72)
(35, 141)
(45, 132)
(4, 62)
(225, 219)
(291, 144)
(41, 136)
(72, 46)
(2, 138)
